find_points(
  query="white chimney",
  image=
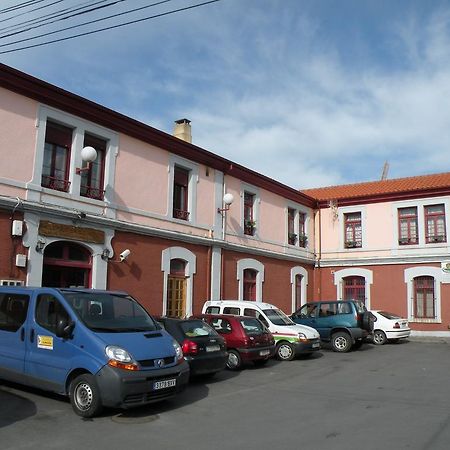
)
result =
(182, 130)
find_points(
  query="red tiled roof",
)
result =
(395, 188)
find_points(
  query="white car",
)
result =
(389, 327)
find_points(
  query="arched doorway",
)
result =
(66, 264)
(176, 289)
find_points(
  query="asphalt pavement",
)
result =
(395, 396)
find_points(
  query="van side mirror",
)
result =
(64, 328)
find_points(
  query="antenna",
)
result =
(384, 174)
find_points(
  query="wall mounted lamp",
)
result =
(105, 254)
(227, 201)
(88, 154)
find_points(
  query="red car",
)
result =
(247, 339)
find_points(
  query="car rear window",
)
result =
(196, 328)
(388, 315)
(230, 310)
(252, 326)
(360, 307)
(212, 310)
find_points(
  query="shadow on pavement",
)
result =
(14, 408)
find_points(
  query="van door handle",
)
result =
(22, 334)
(32, 335)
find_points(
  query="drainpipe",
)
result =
(319, 254)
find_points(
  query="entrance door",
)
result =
(66, 264)
(176, 296)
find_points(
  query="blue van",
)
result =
(101, 348)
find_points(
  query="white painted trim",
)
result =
(425, 271)
(191, 267)
(256, 206)
(298, 270)
(353, 272)
(348, 210)
(193, 169)
(249, 263)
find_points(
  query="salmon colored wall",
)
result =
(277, 288)
(141, 275)
(18, 116)
(389, 292)
(9, 249)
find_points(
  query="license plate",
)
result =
(264, 352)
(316, 345)
(164, 384)
(213, 348)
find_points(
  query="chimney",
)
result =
(182, 130)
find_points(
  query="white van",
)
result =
(291, 339)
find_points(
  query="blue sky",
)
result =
(308, 92)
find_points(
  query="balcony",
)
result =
(91, 192)
(55, 183)
(408, 241)
(180, 214)
(352, 244)
(436, 238)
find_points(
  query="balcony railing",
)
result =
(353, 244)
(55, 183)
(91, 192)
(408, 241)
(180, 214)
(436, 238)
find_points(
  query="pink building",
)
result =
(175, 224)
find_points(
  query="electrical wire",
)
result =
(85, 23)
(111, 27)
(33, 10)
(47, 18)
(19, 6)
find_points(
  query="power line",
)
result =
(19, 6)
(33, 10)
(85, 23)
(111, 27)
(47, 18)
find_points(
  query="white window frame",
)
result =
(339, 275)
(341, 214)
(298, 270)
(80, 128)
(191, 268)
(246, 188)
(249, 263)
(298, 209)
(192, 188)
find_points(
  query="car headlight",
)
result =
(119, 357)
(302, 337)
(178, 350)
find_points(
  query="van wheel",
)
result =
(234, 360)
(285, 351)
(379, 337)
(85, 396)
(341, 342)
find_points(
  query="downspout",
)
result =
(319, 254)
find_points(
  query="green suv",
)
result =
(343, 323)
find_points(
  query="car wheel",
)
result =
(341, 342)
(285, 351)
(260, 362)
(85, 396)
(379, 337)
(234, 361)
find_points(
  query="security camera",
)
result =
(124, 255)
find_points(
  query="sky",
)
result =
(311, 93)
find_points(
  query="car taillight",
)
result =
(189, 347)
(397, 325)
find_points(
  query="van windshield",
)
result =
(110, 313)
(278, 317)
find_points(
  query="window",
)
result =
(354, 288)
(181, 193)
(292, 235)
(49, 312)
(302, 239)
(250, 284)
(249, 220)
(407, 226)
(231, 310)
(55, 168)
(424, 298)
(435, 224)
(298, 291)
(13, 311)
(353, 230)
(92, 180)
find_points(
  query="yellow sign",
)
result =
(45, 342)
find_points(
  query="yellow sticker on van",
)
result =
(45, 342)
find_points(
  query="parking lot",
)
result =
(394, 397)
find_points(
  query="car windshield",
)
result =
(388, 315)
(197, 328)
(110, 313)
(252, 326)
(278, 317)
